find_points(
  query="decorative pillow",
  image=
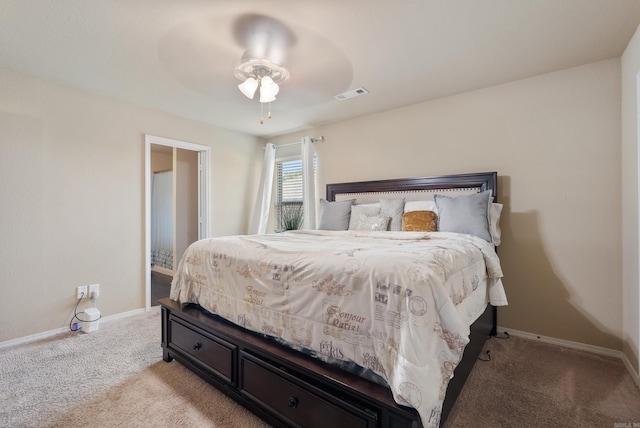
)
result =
(366, 209)
(393, 208)
(420, 206)
(374, 222)
(465, 214)
(420, 221)
(335, 215)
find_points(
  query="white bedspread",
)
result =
(399, 303)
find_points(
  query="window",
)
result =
(289, 194)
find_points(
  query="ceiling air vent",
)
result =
(351, 94)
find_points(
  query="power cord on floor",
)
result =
(488, 351)
(488, 354)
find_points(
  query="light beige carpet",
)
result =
(533, 384)
(115, 377)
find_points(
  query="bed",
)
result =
(372, 326)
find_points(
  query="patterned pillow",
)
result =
(366, 209)
(420, 221)
(373, 222)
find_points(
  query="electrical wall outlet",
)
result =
(94, 291)
(81, 292)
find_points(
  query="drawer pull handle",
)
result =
(197, 346)
(293, 402)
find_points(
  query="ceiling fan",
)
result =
(266, 42)
(212, 55)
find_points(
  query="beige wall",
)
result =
(555, 142)
(72, 198)
(72, 170)
(161, 161)
(630, 244)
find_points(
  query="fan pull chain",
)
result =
(262, 113)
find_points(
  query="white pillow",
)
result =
(420, 206)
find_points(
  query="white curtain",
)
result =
(308, 184)
(162, 219)
(260, 218)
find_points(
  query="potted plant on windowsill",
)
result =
(290, 216)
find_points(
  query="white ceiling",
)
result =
(178, 55)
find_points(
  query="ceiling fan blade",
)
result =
(263, 37)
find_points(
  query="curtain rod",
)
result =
(313, 140)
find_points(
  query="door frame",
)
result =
(204, 207)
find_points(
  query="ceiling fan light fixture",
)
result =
(249, 87)
(263, 74)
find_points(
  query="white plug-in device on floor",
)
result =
(91, 320)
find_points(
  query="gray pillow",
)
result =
(335, 215)
(393, 208)
(464, 214)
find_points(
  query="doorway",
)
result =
(189, 210)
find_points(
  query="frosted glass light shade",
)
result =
(268, 90)
(266, 98)
(248, 87)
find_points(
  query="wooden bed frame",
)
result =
(288, 388)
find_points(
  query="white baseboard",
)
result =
(629, 367)
(579, 346)
(50, 333)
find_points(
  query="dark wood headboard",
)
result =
(481, 181)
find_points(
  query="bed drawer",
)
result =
(217, 354)
(295, 401)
